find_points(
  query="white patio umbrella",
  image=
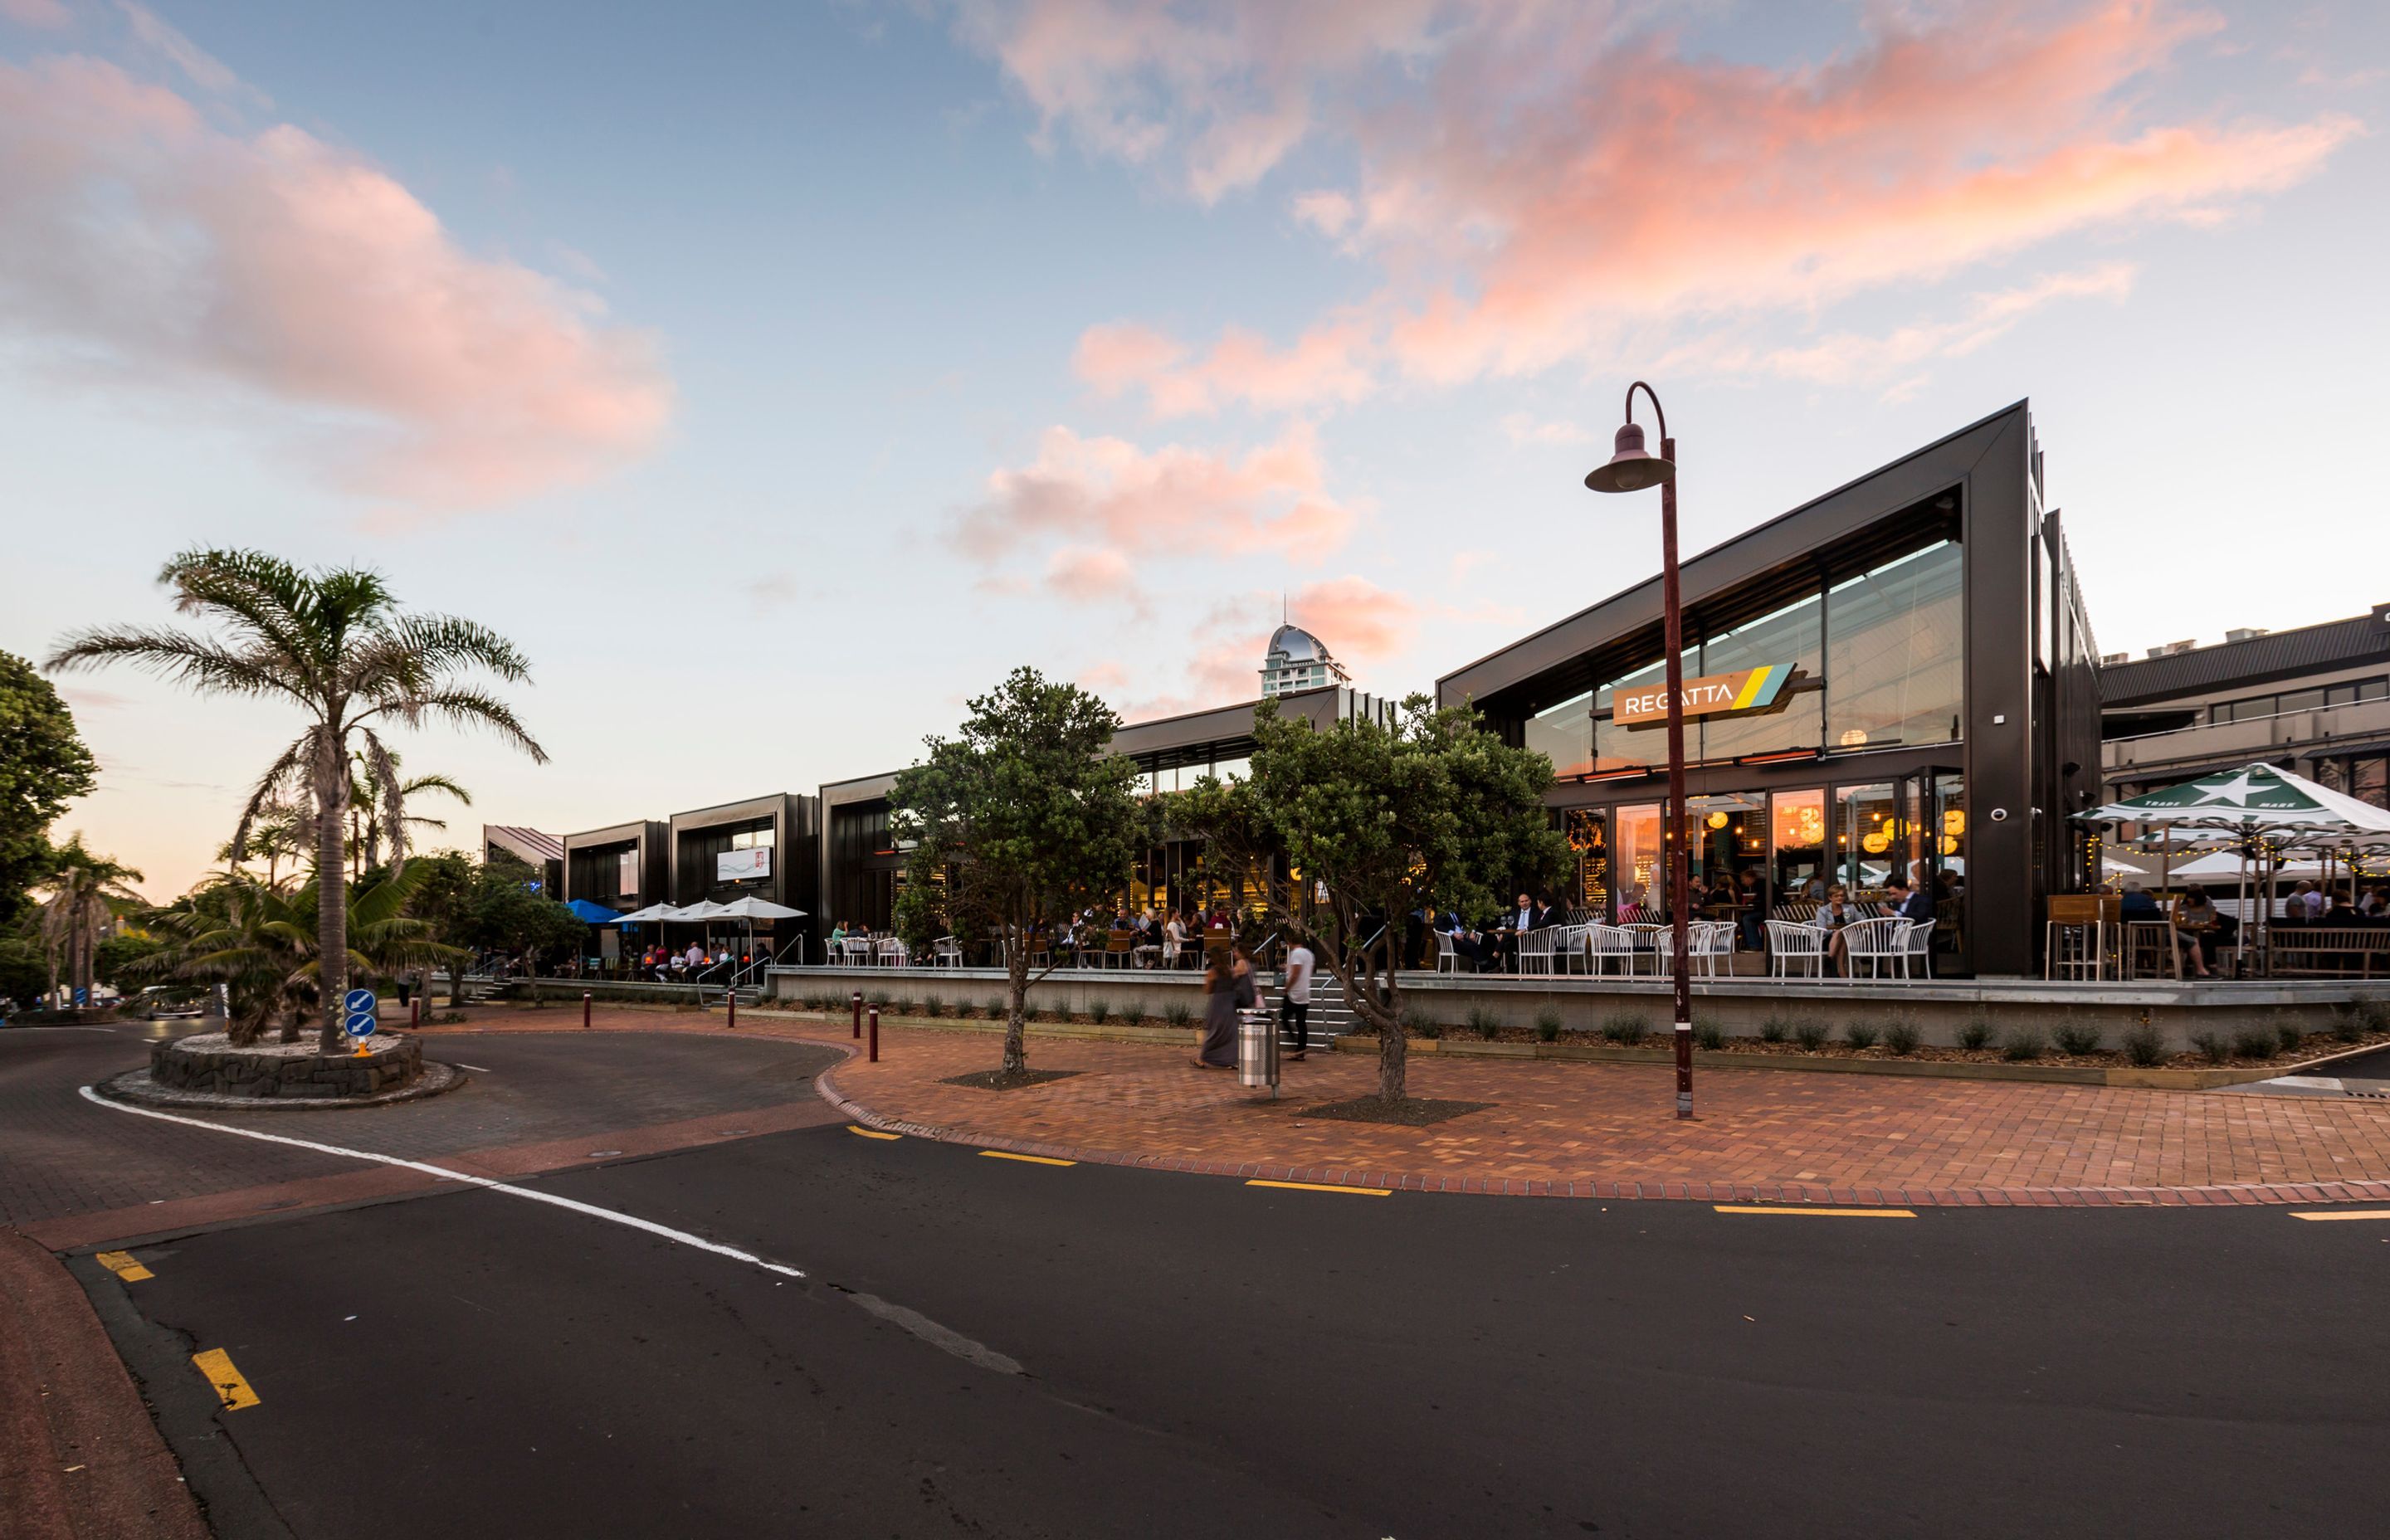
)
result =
(752, 909)
(651, 915)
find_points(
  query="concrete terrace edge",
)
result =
(1791, 1194)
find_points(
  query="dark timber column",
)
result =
(2000, 528)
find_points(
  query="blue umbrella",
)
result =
(594, 914)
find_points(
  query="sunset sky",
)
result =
(779, 376)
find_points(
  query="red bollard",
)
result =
(875, 1034)
(415, 1011)
(859, 1013)
(585, 1010)
(731, 999)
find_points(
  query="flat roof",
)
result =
(2264, 660)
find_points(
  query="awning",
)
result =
(594, 914)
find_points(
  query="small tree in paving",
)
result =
(1017, 822)
(503, 912)
(1372, 822)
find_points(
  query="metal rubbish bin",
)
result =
(1257, 1048)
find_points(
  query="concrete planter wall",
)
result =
(1071, 989)
(266, 1070)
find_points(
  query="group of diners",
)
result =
(1143, 938)
(2201, 929)
(670, 965)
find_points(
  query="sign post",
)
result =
(357, 1011)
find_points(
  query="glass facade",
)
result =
(1877, 660)
(1893, 653)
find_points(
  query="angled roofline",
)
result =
(1602, 629)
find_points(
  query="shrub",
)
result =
(2256, 1043)
(882, 998)
(995, 1009)
(1548, 1025)
(1419, 1021)
(2287, 1033)
(2348, 1021)
(1861, 1035)
(1976, 1034)
(1626, 1029)
(1177, 1013)
(1811, 1033)
(2213, 1045)
(1483, 1022)
(2077, 1038)
(1902, 1037)
(2145, 1045)
(1709, 1034)
(1132, 1013)
(2023, 1043)
(1773, 1030)
(1100, 1011)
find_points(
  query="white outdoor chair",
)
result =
(1921, 946)
(1877, 943)
(1535, 951)
(892, 952)
(858, 951)
(1607, 943)
(946, 952)
(1710, 939)
(1652, 941)
(1568, 947)
(1790, 945)
(1447, 959)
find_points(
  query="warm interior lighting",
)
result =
(1717, 820)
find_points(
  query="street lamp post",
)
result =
(1631, 469)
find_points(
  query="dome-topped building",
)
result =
(1299, 660)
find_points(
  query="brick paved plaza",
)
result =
(1603, 1130)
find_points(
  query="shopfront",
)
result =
(1858, 674)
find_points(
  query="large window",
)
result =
(1787, 639)
(1564, 735)
(1893, 653)
(1617, 748)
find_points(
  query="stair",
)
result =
(1331, 1014)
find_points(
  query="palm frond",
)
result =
(195, 663)
(463, 706)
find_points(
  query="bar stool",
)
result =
(2078, 935)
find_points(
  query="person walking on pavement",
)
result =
(1294, 1007)
(1218, 1049)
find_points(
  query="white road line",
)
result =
(682, 1237)
(475, 1067)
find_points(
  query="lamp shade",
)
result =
(1631, 469)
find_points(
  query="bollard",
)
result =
(730, 997)
(859, 1013)
(875, 1034)
(415, 1011)
(585, 1010)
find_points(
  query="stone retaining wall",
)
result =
(209, 1064)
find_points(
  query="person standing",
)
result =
(1218, 1049)
(1294, 1007)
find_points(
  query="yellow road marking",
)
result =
(2344, 1213)
(1819, 1213)
(1033, 1160)
(1324, 1187)
(871, 1133)
(216, 1363)
(123, 1266)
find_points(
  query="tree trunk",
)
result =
(332, 887)
(531, 971)
(1016, 985)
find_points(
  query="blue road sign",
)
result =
(359, 1006)
(83, 996)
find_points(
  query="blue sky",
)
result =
(777, 376)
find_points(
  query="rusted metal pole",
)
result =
(585, 1010)
(875, 1034)
(859, 1013)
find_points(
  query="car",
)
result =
(165, 1002)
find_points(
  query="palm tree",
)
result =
(259, 943)
(367, 821)
(279, 832)
(85, 888)
(333, 642)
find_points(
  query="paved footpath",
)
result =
(1606, 1130)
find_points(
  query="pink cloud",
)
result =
(1108, 492)
(1362, 623)
(1557, 182)
(173, 253)
(36, 13)
(1086, 575)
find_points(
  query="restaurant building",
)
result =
(623, 867)
(1896, 677)
(862, 868)
(2314, 700)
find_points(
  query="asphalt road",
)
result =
(1198, 1356)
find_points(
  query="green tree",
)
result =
(1359, 823)
(277, 832)
(506, 914)
(262, 944)
(334, 642)
(84, 891)
(43, 765)
(444, 902)
(1018, 821)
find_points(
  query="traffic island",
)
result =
(208, 1070)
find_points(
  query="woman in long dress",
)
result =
(1219, 1048)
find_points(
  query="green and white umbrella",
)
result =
(2254, 798)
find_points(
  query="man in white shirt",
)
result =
(1294, 1007)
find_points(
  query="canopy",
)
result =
(649, 915)
(594, 914)
(2256, 796)
(704, 908)
(756, 908)
(2224, 862)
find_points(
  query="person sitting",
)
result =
(1833, 914)
(2137, 904)
(2202, 926)
(1908, 903)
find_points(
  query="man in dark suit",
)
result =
(1909, 903)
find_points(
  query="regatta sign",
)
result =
(1750, 689)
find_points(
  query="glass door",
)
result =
(1637, 867)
